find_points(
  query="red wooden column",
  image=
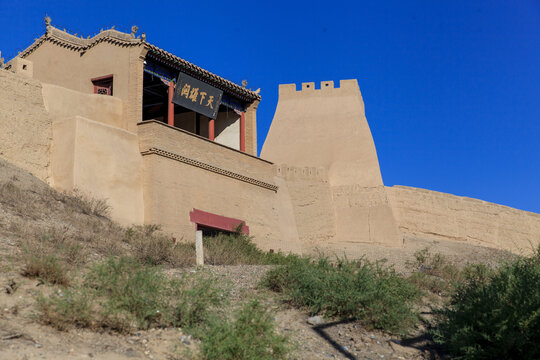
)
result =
(243, 131)
(170, 105)
(211, 129)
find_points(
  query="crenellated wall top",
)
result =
(323, 89)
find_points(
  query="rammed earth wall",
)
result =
(25, 126)
(183, 171)
(435, 214)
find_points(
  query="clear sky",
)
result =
(451, 88)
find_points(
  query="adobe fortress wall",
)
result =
(25, 125)
(184, 172)
(327, 128)
(305, 208)
(435, 214)
(70, 140)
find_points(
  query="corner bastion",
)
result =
(332, 186)
(327, 128)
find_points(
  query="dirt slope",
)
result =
(29, 210)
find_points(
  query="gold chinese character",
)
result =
(194, 94)
(185, 91)
(203, 95)
(210, 101)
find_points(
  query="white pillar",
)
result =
(199, 247)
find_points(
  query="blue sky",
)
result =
(452, 88)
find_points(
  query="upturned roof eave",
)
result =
(203, 74)
(73, 42)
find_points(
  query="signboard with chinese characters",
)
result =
(198, 96)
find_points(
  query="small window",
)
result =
(103, 85)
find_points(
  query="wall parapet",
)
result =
(326, 88)
(209, 167)
(156, 138)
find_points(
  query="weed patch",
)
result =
(89, 205)
(239, 249)
(374, 294)
(152, 247)
(433, 272)
(46, 267)
(123, 295)
(249, 336)
(18, 200)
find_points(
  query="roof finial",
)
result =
(134, 29)
(143, 36)
(244, 83)
(1, 60)
(47, 23)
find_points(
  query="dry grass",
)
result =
(46, 267)
(152, 247)
(20, 202)
(76, 229)
(89, 205)
(238, 249)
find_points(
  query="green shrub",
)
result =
(433, 272)
(495, 314)
(127, 286)
(66, 308)
(376, 295)
(250, 335)
(124, 295)
(238, 249)
(194, 297)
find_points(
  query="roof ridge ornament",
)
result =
(134, 30)
(48, 21)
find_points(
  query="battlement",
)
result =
(326, 87)
(294, 172)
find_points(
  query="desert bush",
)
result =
(494, 314)
(152, 247)
(44, 266)
(371, 293)
(60, 241)
(250, 335)
(433, 272)
(67, 308)
(122, 295)
(50, 254)
(238, 249)
(194, 296)
(88, 205)
(126, 286)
